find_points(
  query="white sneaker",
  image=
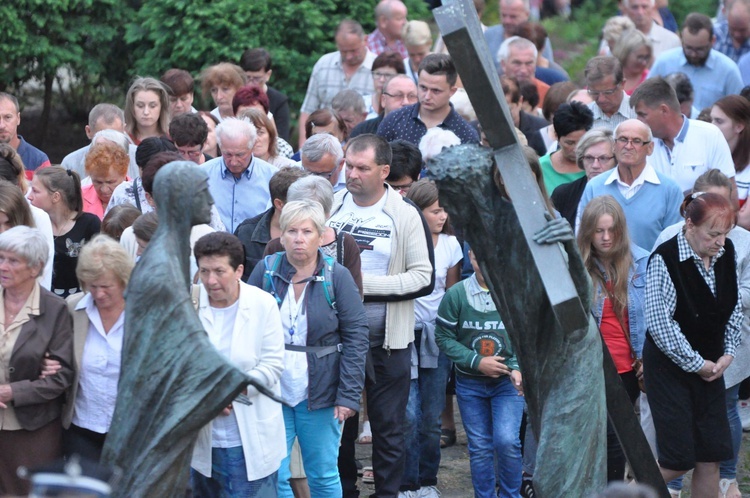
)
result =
(428, 492)
(674, 493)
(743, 407)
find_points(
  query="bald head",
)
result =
(513, 13)
(738, 21)
(633, 144)
(390, 17)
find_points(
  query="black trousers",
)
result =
(83, 442)
(387, 395)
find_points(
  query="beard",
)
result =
(698, 61)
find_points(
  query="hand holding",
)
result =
(493, 366)
(49, 366)
(555, 230)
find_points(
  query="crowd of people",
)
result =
(330, 272)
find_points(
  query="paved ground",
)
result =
(455, 479)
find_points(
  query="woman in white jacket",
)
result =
(238, 454)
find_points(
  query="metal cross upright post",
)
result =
(532, 284)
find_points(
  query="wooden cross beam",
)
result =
(566, 367)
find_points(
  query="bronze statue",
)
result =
(172, 381)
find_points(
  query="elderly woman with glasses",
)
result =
(33, 323)
(594, 155)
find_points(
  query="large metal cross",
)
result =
(538, 288)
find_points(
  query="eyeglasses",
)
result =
(601, 159)
(379, 75)
(256, 80)
(402, 188)
(637, 142)
(192, 154)
(411, 97)
(327, 176)
(607, 93)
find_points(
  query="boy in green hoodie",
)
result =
(488, 383)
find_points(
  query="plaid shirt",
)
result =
(328, 79)
(661, 302)
(377, 44)
(724, 43)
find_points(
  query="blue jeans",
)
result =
(229, 478)
(426, 402)
(491, 411)
(727, 468)
(318, 434)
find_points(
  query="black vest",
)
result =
(701, 315)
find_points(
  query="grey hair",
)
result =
(236, 129)
(435, 140)
(626, 3)
(348, 100)
(321, 144)
(591, 138)
(517, 42)
(27, 243)
(116, 137)
(298, 211)
(107, 112)
(312, 187)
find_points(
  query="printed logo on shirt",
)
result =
(364, 235)
(488, 344)
(73, 248)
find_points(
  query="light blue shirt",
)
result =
(744, 65)
(238, 199)
(718, 78)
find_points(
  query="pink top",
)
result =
(644, 75)
(91, 202)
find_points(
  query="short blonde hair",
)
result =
(299, 211)
(100, 254)
(416, 34)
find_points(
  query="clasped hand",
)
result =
(493, 366)
(712, 371)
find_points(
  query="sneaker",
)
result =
(674, 493)
(743, 407)
(527, 489)
(408, 494)
(428, 492)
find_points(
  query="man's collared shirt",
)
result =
(698, 147)
(238, 199)
(624, 113)
(377, 44)
(628, 191)
(662, 39)
(405, 124)
(724, 43)
(328, 79)
(717, 78)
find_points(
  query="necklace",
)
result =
(298, 307)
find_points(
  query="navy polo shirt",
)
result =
(404, 124)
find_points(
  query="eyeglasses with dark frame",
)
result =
(637, 142)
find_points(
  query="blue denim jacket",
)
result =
(636, 299)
